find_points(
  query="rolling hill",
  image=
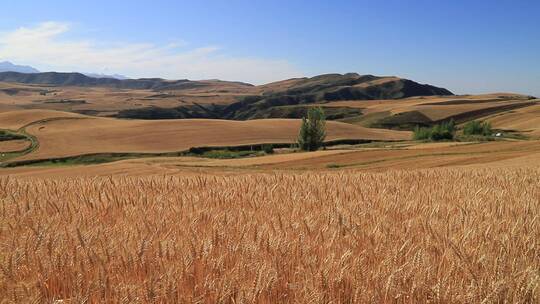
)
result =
(364, 100)
(288, 99)
(81, 80)
(327, 88)
(155, 98)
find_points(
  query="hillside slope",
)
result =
(155, 98)
(327, 88)
(295, 94)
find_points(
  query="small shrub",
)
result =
(268, 149)
(6, 136)
(333, 166)
(195, 150)
(225, 154)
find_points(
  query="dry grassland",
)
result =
(439, 236)
(109, 101)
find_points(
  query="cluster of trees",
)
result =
(447, 130)
(477, 128)
(444, 131)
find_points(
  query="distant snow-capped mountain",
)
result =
(7, 66)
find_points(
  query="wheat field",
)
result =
(438, 236)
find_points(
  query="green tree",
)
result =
(421, 133)
(477, 128)
(444, 131)
(486, 129)
(313, 130)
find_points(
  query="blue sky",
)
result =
(465, 46)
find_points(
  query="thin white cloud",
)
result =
(44, 46)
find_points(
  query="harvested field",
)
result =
(17, 119)
(68, 137)
(435, 145)
(446, 236)
(525, 120)
(443, 156)
(470, 111)
(404, 156)
(254, 161)
(405, 103)
(435, 108)
(14, 145)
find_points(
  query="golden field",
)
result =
(439, 236)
